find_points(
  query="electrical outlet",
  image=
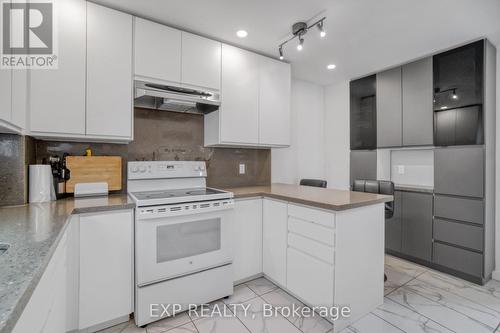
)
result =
(401, 169)
(242, 168)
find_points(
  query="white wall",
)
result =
(337, 135)
(305, 158)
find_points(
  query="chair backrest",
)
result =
(377, 186)
(313, 182)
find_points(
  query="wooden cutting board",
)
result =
(92, 169)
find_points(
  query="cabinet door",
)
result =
(274, 102)
(389, 108)
(239, 120)
(109, 72)
(57, 97)
(247, 238)
(393, 228)
(363, 113)
(417, 103)
(106, 282)
(417, 225)
(157, 51)
(459, 171)
(6, 94)
(274, 245)
(363, 165)
(460, 72)
(19, 97)
(201, 61)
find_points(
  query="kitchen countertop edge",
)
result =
(9, 324)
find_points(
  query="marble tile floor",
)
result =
(417, 299)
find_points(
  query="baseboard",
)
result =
(495, 275)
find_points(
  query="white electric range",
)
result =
(183, 233)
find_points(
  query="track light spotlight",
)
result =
(281, 52)
(322, 32)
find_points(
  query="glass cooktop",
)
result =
(164, 194)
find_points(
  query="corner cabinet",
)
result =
(255, 105)
(274, 240)
(247, 241)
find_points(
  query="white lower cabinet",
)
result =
(106, 270)
(45, 311)
(309, 278)
(274, 238)
(247, 238)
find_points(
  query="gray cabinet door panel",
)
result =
(459, 171)
(460, 234)
(417, 225)
(393, 226)
(462, 209)
(363, 164)
(458, 259)
(389, 114)
(417, 96)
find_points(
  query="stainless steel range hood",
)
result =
(175, 98)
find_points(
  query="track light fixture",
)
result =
(299, 30)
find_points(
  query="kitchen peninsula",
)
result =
(324, 246)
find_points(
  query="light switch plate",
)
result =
(242, 169)
(401, 169)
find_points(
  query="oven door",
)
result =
(171, 246)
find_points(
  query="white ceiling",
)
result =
(363, 36)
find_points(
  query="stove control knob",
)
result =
(142, 169)
(135, 169)
(202, 168)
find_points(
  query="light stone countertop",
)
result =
(33, 232)
(325, 198)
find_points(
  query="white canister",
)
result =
(41, 184)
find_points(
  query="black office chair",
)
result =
(380, 187)
(313, 182)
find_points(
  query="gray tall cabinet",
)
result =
(404, 105)
(427, 103)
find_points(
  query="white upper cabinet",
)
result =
(6, 95)
(19, 97)
(255, 103)
(157, 51)
(57, 97)
(109, 72)
(274, 102)
(201, 61)
(239, 112)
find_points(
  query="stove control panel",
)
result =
(166, 169)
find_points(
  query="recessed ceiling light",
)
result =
(241, 33)
(331, 66)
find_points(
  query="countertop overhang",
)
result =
(325, 198)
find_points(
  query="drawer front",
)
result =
(462, 209)
(311, 230)
(458, 259)
(309, 279)
(459, 234)
(314, 249)
(459, 171)
(312, 215)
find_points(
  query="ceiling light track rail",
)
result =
(299, 30)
